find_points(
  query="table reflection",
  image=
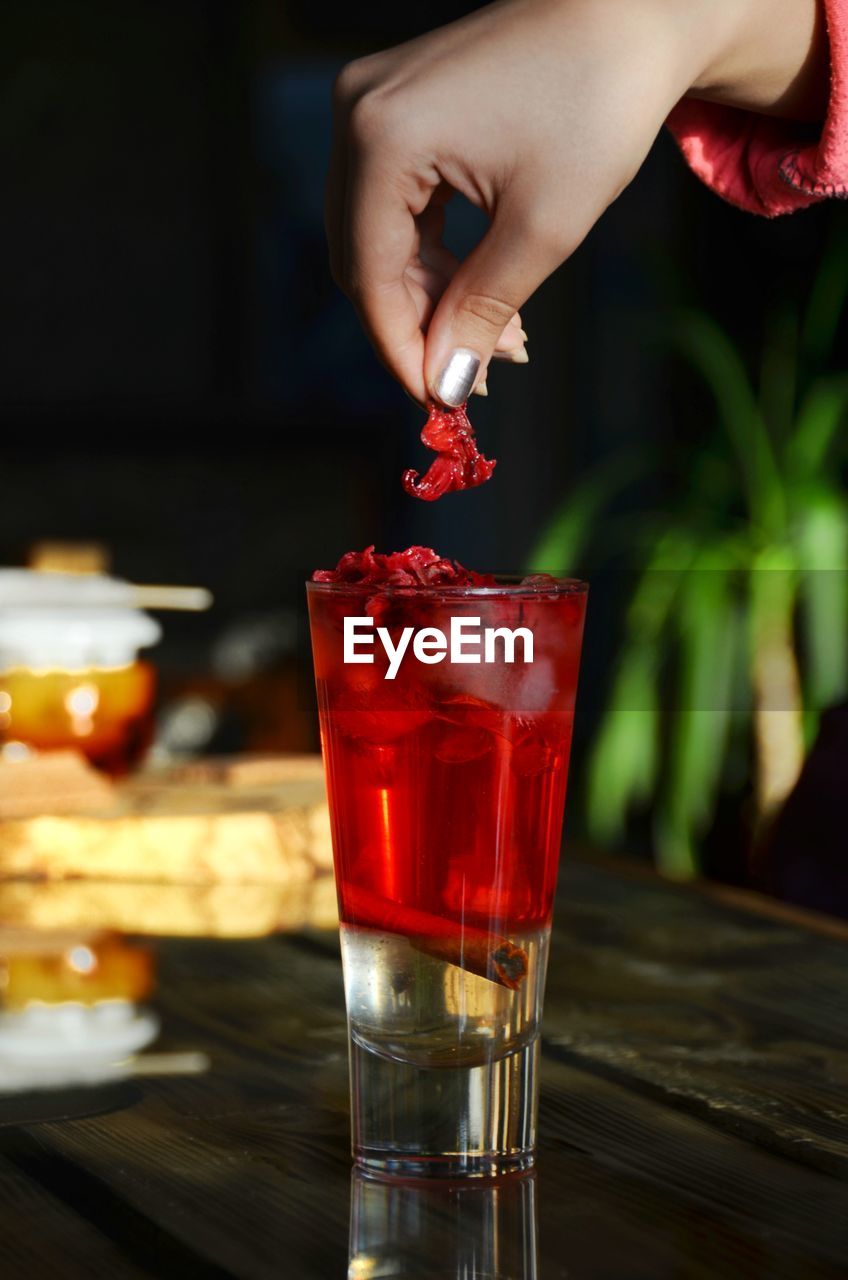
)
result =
(168, 910)
(78, 967)
(74, 1011)
(70, 1010)
(454, 1229)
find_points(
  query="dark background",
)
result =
(180, 379)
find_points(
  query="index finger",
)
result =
(381, 245)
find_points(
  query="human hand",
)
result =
(539, 112)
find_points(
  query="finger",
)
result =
(439, 266)
(517, 253)
(382, 243)
(511, 345)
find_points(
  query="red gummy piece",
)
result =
(459, 465)
(415, 567)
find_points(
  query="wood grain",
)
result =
(734, 1017)
(42, 1235)
(693, 1113)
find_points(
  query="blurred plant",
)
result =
(737, 628)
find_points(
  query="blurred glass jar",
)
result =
(70, 674)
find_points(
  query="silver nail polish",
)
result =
(453, 385)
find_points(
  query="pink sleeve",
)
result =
(766, 165)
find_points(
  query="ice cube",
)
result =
(534, 686)
(540, 743)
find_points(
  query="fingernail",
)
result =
(481, 389)
(454, 383)
(518, 355)
(523, 333)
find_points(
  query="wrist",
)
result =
(768, 56)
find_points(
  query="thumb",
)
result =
(496, 279)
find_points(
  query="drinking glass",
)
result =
(417, 1229)
(446, 717)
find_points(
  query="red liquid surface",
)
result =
(447, 784)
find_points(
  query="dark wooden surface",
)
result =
(694, 1118)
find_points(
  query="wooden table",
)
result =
(694, 1117)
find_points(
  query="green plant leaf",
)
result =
(563, 541)
(777, 723)
(821, 540)
(710, 639)
(778, 372)
(773, 585)
(823, 411)
(706, 622)
(624, 762)
(710, 350)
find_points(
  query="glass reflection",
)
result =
(458, 1229)
(69, 1008)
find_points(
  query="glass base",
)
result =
(447, 1122)
(419, 1229)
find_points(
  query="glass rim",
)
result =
(506, 585)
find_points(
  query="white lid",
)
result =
(20, 587)
(71, 621)
(73, 639)
(25, 587)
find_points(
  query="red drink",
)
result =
(446, 780)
